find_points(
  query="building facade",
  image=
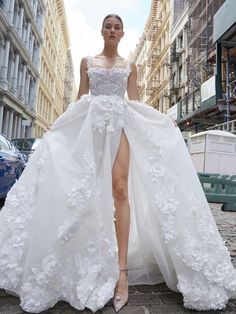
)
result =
(199, 109)
(70, 91)
(183, 70)
(21, 31)
(55, 82)
(179, 54)
(157, 31)
(139, 57)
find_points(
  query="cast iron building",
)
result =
(21, 28)
(56, 74)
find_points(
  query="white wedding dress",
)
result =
(57, 233)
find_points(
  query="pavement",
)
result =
(147, 299)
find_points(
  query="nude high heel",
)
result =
(118, 301)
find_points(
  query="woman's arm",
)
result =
(132, 88)
(84, 80)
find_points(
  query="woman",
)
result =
(57, 236)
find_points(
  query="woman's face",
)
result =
(112, 31)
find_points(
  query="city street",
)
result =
(102, 85)
(147, 299)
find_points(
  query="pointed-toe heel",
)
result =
(120, 301)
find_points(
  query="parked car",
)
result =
(26, 145)
(12, 164)
(16, 151)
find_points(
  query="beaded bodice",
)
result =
(113, 81)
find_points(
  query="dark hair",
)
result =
(115, 16)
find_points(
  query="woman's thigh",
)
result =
(120, 170)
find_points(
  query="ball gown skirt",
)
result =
(57, 233)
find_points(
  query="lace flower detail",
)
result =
(107, 115)
(197, 295)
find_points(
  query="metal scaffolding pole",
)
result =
(228, 96)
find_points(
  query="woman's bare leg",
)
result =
(120, 173)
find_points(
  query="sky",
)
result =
(84, 18)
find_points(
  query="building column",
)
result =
(24, 31)
(28, 36)
(34, 53)
(5, 60)
(18, 135)
(35, 91)
(35, 7)
(1, 53)
(10, 125)
(10, 12)
(22, 135)
(39, 20)
(36, 59)
(31, 91)
(31, 46)
(14, 79)
(27, 85)
(5, 122)
(4, 68)
(19, 78)
(20, 21)
(16, 21)
(15, 120)
(12, 66)
(22, 86)
(5, 7)
(1, 116)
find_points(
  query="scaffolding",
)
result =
(201, 62)
(206, 60)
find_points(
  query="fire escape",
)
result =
(153, 53)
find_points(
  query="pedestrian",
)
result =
(111, 194)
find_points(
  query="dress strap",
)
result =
(88, 60)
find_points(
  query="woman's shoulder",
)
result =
(85, 61)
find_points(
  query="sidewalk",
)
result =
(147, 299)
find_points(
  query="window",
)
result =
(180, 74)
(1, 4)
(181, 41)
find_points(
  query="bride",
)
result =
(111, 194)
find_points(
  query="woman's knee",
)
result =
(120, 190)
